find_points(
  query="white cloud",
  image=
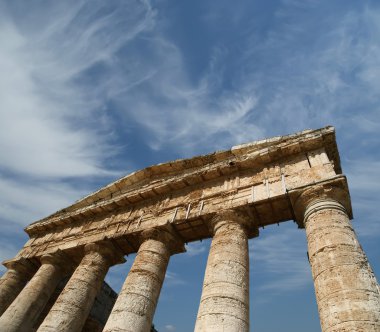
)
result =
(184, 115)
(25, 202)
(196, 248)
(62, 64)
(7, 252)
(54, 122)
(173, 279)
(170, 328)
(364, 178)
(281, 256)
(155, 89)
(297, 85)
(118, 273)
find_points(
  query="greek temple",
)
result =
(227, 196)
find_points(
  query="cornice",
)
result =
(162, 178)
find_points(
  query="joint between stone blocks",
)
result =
(106, 248)
(166, 235)
(233, 217)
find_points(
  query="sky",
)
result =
(93, 90)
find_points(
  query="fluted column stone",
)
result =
(346, 288)
(14, 280)
(135, 306)
(26, 308)
(72, 307)
(224, 304)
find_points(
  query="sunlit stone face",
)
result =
(153, 212)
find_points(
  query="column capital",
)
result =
(60, 259)
(323, 195)
(22, 265)
(232, 216)
(165, 235)
(107, 249)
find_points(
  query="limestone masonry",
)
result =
(153, 212)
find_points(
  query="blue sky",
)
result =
(93, 90)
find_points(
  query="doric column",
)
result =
(224, 304)
(72, 307)
(25, 309)
(346, 289)
(14, 280)
(135, 306)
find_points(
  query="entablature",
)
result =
(318, 146)
(254, 181)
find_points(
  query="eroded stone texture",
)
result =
(186, 192)
(346, 288)
(224, 303)
(265, 180)
(14, 280)
(72, 307)
(28, 305)
(101, 309)
(135, 306)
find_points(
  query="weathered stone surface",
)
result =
(26, 308)
(13, 281)
(104, 301)
(346, 289)
(161, 207)
(224, 303)
(137, 301)
(72, 307)
(188, 192)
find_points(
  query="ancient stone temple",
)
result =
(227, 196)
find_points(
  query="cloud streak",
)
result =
(281, 256)
(60, 126)
(55, 123)
(85, 85)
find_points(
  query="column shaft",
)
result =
(26, 308)
(224, 304)
(13, 281)
(135, 306)
(72, 307)
(346, 289)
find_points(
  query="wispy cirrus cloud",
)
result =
(81, 80)
(173, 279)
(364, 178)
(277, 82)
(24, 202)
(54, 115)
(56, 62)
(177, 113)
(304, 89)
(170, 328)
(281, 256)
(196, 248)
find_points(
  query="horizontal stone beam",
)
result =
(189, 221)
(163, 179)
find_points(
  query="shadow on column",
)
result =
(99, 313)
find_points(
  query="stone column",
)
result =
(72, 307)
(135, 306)
(224, 304)
(26, 308)
(346, 289)
(14, 280)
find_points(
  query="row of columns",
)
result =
(135, 305)
(347, 292)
